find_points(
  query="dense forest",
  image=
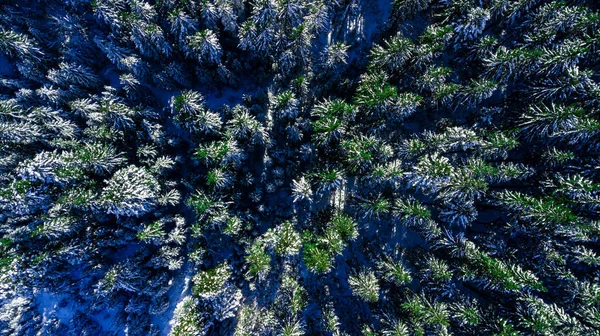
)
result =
(299, 167)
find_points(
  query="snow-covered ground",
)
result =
(179, 290)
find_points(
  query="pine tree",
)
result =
(334, 116)
(406, 9)
(190, 113)
(395, 272)
(334, 55)
(188, 319)
(204, 46)
(150, 40)
(211, 282)
(452, 164)
(132, 191)
(472, 24)
(365, 286)
(302, 190)
(259, 261)
(18, 45)
(182, 24)
(68, 74)
(397, 52)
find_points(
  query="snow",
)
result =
(112, 74)
(59, 306)
(179, 290)
(375, 15)
(369, 19)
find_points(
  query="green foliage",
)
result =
(438, 270)
(411, 211)
(151, 232)
(189, 319)
(317, 258)
(557, 121)
(132, 191)
(201, 203)
(455, 154)
(258, 260)
(395, 272)
(468, 314)
(213, 152)
(14, 44)
(424, 312)
(6, 257)
(508, 277)
(333, 117)
(541, 212)
(291, 328)
(377, 208)
(293, 296)
(344, 225)
(234, 226)
(212, 281)
(253, 320)
(328, 179)
(287, 240)
(398, 51)
(365, 285)
(375, 92)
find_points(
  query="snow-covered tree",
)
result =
(131, 191)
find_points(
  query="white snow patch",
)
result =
(179, 291)
(48, 304)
